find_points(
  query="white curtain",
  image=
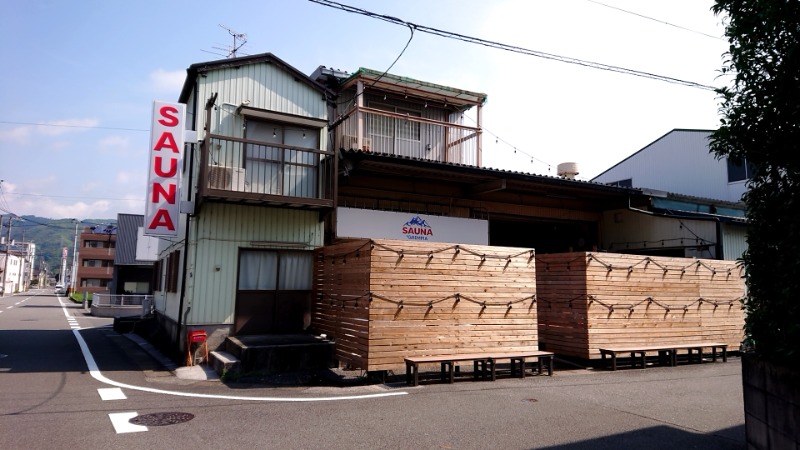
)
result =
(296, 271)
(258, 270)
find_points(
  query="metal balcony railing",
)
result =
(255, 171)
(406, 134)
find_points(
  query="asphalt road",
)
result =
(52, 396)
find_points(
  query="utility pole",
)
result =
(74, 272)
(8, 252)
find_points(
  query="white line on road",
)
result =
(122, 425)
(111, 394)
(97, 375)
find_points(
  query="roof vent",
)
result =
(568, 170)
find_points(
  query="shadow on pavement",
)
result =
(663, 437)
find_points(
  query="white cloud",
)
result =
(165, 81)
(135, 178)
(16, 134)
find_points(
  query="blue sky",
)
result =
(88, 71)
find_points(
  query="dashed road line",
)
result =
(122, 425)
(111, 394)
(94, 371)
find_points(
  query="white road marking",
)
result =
(122, 425)
(111, 394)
(94, 371)
(9, 307)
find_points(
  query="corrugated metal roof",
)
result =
(492, 172)
(127, 232)
(195, 69)
(416, 88)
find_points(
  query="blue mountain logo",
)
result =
(417, 229)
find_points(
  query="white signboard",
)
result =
(163, 177)
(365, 223)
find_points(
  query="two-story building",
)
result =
(286, 163)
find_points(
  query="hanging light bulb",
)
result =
(426, 104)
(274, 135)
(304, 134)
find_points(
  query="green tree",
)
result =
(760, 127)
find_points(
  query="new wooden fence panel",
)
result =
(341, 307)
(426, 298)
(588, 301)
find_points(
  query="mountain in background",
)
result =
(50, 237)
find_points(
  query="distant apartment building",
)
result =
(96, 259)
(16, 273)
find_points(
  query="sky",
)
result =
(79, 79)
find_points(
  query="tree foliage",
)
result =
(760, 126)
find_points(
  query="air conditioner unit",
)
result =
(226, 178)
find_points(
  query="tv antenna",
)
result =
(239, 39)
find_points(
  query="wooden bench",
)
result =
(484, 364)
(666, 353)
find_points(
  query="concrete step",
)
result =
(224, 363)
(269, 354)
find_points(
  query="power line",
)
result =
(67, 196)
(71, 126)
(512, 48)
(655, 20)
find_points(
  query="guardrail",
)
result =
(121, 300)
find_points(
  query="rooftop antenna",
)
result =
(239, 39)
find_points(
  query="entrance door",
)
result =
(274, 292)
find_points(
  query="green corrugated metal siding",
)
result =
(265, 86)
(223, 229)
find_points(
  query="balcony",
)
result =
(406, 134)
(253, 172)
(401, 116)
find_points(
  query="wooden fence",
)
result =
(383, 300)
(592, 300)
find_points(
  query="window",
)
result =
(97, 263)
(394, 135)
(98, 244)
(94, 282)
(136, 287)
(628, 182)
(281, 166)
(271, 270)
(739, 170)
(173, 266)
(157, 275)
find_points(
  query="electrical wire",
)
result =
(656, 20)
(512, 48)
(350, 101)
(91, 127)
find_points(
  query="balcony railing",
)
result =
(236, 169)
(405, 134)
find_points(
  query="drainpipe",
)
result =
(181, 317)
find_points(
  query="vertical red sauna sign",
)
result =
(162, 205)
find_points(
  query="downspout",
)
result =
(181, 316)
